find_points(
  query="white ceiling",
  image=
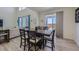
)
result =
(41, 9)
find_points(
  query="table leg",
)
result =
(43, 41)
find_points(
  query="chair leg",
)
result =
(28, 43)
(24, 44)
(45, 42)
(21, 43)
(28, 46)
(52, 48)
(35, 47)
(52, 45)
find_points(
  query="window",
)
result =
(51, 20)
(20, 22)
(24, 21)
(54, 19)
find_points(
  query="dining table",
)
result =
(43, 33)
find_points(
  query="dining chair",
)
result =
(50, 39)
(23, 37)
(37, 28)
(34, 40)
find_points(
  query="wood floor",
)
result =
(66, 45)
(60, 45)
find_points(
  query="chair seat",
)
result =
(24, 37)
(48, 38)
(37, 40)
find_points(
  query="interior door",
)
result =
(59, 24)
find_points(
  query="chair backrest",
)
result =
(37, 28)
(22, 33)
(45, 28)
(32, 35)
(41, 28)
(53, 34)
(27, 28)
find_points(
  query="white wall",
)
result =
(68, 21)
(41, 19)
(77, 32)
(34, 16)
(8, 14)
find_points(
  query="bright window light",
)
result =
(21, 8)
(51, 20)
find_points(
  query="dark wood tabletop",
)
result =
(45, 32)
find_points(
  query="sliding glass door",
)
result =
(24, 22)
(51, 22)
